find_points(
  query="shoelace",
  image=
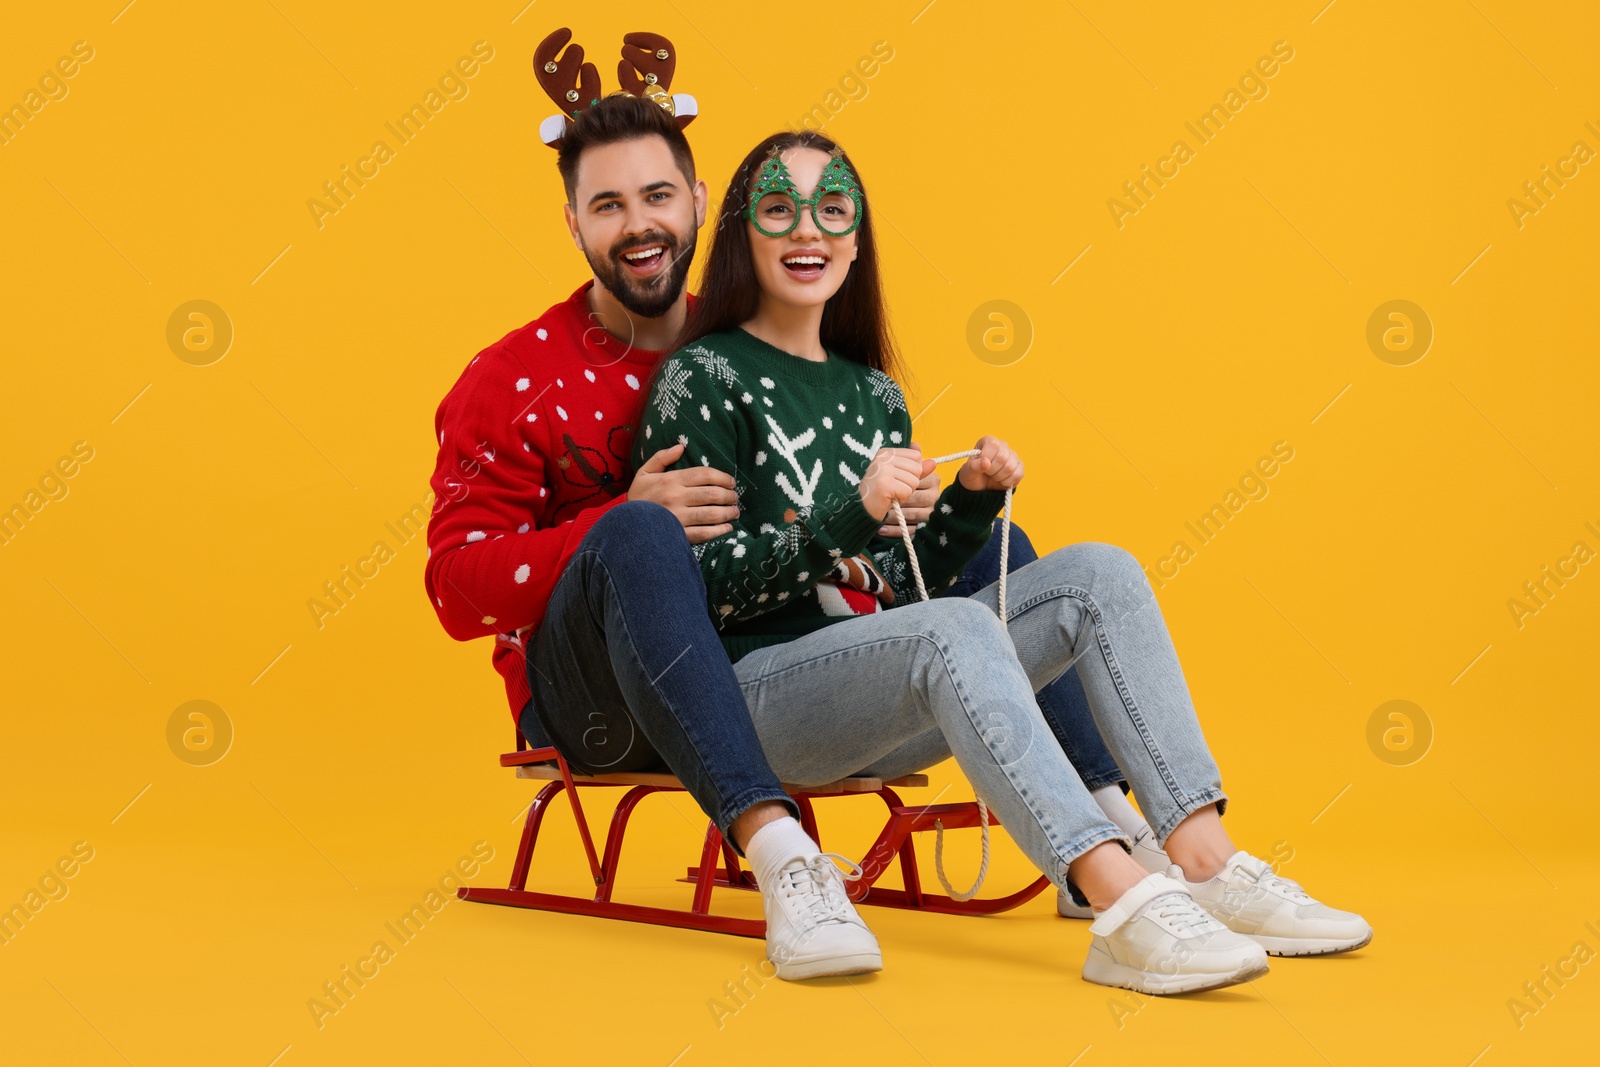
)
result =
(916, 572)
(820, 885)
(1245, 885)
(1288, 886)
(1182, 911)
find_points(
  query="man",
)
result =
(581, 568)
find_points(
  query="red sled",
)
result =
(894, 841)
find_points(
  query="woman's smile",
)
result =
(806, 264)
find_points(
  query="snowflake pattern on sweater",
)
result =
(715, 365)
(886, 389)
(670, 389)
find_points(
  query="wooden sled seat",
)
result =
(545, 772)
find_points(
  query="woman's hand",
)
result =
(994, 467)
(918, 507)
(893, 474)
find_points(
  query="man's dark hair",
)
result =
(613, 119)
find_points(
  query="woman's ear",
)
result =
(855, 249)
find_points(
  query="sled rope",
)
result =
(916, 572)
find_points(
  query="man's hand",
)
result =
(702, 498)
(918, 506)
(994, 467)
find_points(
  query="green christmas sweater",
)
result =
(797, 435)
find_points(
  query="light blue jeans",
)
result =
(900, 691)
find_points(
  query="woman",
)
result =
(784, 379)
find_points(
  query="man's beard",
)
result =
(648, 298)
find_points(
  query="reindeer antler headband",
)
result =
(648, 60)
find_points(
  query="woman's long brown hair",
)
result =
(855, 322)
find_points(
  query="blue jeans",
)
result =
(628, 674)
(900, 690)
(1065, 708)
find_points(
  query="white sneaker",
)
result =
(1145, 851)
(812, 928)
(1280, 916)
(1155, 939)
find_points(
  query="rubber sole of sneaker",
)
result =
(830, 966)
(1300, 946)
(1103, 971)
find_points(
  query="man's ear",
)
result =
(572, 224)
(701, 197)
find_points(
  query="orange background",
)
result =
(1168, 354)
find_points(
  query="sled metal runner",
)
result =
(894, 842)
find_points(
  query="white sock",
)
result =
(1115, 804)
(774, 845)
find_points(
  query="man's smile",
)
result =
(645, 261)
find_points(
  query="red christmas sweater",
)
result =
(534, 445)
